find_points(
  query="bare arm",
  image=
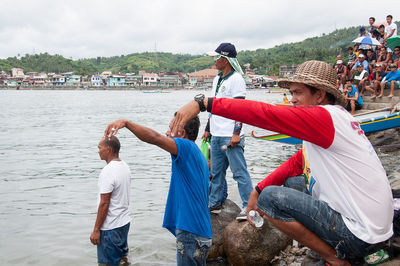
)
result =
(101, 216)
(144, 134)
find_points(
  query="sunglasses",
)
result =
(217, 57)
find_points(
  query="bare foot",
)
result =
(380, 95)
(390, 96)
(373, 97)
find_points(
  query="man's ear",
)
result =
(321, 95)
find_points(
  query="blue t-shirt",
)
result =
(393, 75)
(352, 94)
(187, 203)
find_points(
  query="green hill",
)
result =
(264, 61)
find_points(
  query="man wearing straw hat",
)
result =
(333, 195)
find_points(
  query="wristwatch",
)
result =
(199, 98)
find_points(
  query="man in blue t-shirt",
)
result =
(391, 80)
(186, 215)
(353, 98)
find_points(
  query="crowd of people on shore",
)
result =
(370, 67)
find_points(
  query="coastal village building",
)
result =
(170, 81)
(36, 78)
(116, 80)
(17, 73)
(58, 80)
(150, 79)
(287, 70)
(133, 80)
(73, 80)
(202, 78)
(96, 80)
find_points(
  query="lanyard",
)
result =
(221, 79)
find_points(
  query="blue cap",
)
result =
(225, 49)
(362, 29)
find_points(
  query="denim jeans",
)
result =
(113, 245)
(293, 202)
(191, 249)
(220, 160)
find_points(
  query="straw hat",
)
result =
(317, 74)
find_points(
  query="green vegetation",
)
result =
(264, 61)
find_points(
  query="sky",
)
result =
(88, 29)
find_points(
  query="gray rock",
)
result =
(247, 245)
(219, 221)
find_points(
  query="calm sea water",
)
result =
(49, 167)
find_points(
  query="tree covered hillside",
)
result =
(264, 61)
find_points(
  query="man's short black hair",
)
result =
(112, 142)
(192, 128)
(350, 48)
(373, 19)
(381, 26)
(389, 16)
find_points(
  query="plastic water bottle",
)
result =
(225, 147)
(256, 218)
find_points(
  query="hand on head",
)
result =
(183, 115)
(113, 128)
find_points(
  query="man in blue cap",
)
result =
(227, 141)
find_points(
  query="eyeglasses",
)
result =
(217, 57)
(393, 67)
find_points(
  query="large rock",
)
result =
(247, 245)
(219, 222)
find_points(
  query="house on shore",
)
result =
(150, 79)
(117, 80)
(202, 78)
(96, 80)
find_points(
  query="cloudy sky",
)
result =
(86, 29)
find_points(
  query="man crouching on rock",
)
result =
(186, 213)
(333, 195)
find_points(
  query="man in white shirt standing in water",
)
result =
(110, 232)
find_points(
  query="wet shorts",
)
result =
(113, 245)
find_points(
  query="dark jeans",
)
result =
(292, 202)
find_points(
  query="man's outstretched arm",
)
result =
(144, 134)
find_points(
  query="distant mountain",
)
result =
(264, 61)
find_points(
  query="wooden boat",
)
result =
(369, 122)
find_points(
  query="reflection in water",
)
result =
(50, 165)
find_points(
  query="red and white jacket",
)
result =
(337, 160)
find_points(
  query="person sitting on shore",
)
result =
(371, 59)
(396, 55)
(342, 73)
(391, 80)
(383, 57)
(352, 57)
(361, 61)
(344, 209)
(285, 99)
(377, 75)
(353, 98)
(186, 213)
(359, 77)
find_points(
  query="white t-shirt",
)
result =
(115, 178)
(389, 28)
(233, 86)
(350, 178)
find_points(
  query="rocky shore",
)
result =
(387, 146)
